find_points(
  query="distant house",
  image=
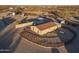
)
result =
(45, 28)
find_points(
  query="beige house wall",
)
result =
(35, 29)
(42, 32)
(48, 30)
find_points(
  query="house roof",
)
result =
(46, 25)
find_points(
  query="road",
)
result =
(73, 47)
(9, 41)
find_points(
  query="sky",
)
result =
(39, 2)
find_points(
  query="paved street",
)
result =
(74, 45)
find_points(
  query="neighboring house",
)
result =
(45, 28)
